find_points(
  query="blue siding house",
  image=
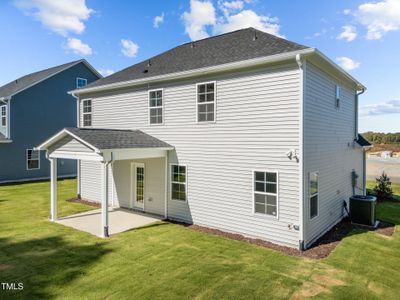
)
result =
(32, 108)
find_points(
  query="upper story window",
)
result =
(206, 102)
(32, 159)
(156, 106)
(3, 115)
(178, 182)
(266, 193)
(338, 95)
(313, 192)
(87, 112)
(81, 82)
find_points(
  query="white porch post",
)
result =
(166, 186)
(104, 200)
(53, 189)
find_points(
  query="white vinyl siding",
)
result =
(258, 122)
(329, 148)
(32, 159)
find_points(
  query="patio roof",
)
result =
(103, 144)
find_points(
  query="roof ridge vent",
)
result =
(149, 63)
(192, 45)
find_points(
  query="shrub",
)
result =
(383, 188)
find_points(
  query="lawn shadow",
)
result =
(44, 265)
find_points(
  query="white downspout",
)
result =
(302, 66)
(78, 162)
(356, 114)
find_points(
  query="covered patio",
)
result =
(119, 220)
(106, 146)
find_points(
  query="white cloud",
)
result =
(78, 47)
(61, 16)
(229, 7)
(347, 11)
(248, 18)
(129, 48)
(349, 33)
(106, 72)
(384, 108)
(379, 17)
(158, 20)
(201, 15)
(347, 63)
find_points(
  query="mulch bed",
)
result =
(83, 201)
(320, 249)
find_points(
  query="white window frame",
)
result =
(152, 107)
(172, 182)
(26, 160)
(3, 116)
(80, 78)
(338, 96)
(87, 113)
(310, 196)
(197, 103)
(265, 193)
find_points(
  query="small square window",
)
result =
(32, 159)
(81, 82)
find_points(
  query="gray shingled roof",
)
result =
(21, 83)
(117, 139)
(226, 48)
(363, 142)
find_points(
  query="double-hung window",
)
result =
(3, 115)
(87, 112)
(206, 102)
(266, 193)
(32, 159)
(156, 106)
(80, 82)
(178, 182)
(313, 191)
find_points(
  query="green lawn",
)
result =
(395, 187)
(169, 261)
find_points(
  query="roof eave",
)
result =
(197, 72)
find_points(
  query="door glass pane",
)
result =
(140, 184)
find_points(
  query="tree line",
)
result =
(382, 138)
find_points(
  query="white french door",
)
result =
(138, 185)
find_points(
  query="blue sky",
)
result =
(363, 36)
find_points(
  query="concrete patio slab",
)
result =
(120, 220)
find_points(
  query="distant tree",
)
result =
(383, 188)
(382, 138)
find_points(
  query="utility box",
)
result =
(363, 210)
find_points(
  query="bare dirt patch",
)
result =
(83, 201)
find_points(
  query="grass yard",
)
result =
(169, 261)
(395, 187)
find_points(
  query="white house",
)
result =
(244, 132)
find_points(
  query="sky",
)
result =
(362, 36)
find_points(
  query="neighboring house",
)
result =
(32, 108)
(245, 132)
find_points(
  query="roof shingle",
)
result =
(104, 139)
(231, 47)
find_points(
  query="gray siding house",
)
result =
(244, 132)
(32, 108)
